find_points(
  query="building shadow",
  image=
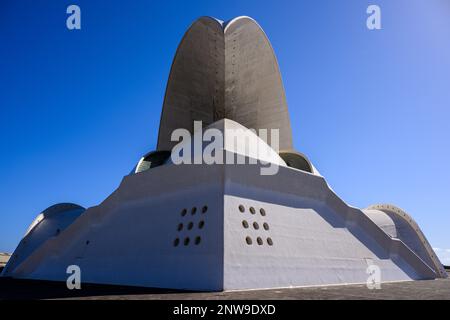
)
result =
(21, 289)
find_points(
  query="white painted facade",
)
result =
(225, 226)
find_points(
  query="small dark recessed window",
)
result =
(259, 240)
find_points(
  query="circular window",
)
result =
(186, 241)
(197, 240)
(269, 241)
(204, 209)
(87, 242)
(245, 224)
(248, 240)
(259, 240)
(190, 225)
(180, 227)
(262, 212)
(241, 208)
(194, 210)
(176, 242)
(183, 212)
(201, 224)
(252, 210)
(265, 226)
(256, 225)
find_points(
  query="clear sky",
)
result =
(370, 108)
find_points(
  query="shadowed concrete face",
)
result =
(225, 71)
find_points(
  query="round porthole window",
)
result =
(241, 208)
(201, 224)
(204, 209)
(245, 224)
(262, 212)
(186, 241)
(190, 225)
(197, 240)
(183, 212)
(252, 210)
(265, 226)
(194, 210)
(259, 240)
(269, 241)
(256, 225)
(248, 240)
(180, 227)
(176, 242)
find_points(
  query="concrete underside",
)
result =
(130, 238)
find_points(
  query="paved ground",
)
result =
(426, 289)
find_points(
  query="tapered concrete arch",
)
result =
(399, 224)
(254, 92)
(224, 70)
(194, 89)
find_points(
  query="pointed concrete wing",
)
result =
(225, 71)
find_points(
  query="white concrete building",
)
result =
(224, 226)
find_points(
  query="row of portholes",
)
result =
(259, 241)
(186, 241)
(194, 211)
(252, 210)
(190, 225)
(255, 225)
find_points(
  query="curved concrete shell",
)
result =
(398, 224)
(225, 71)
(297, 160)
(48, 224)
(151, 160)
(221, 225)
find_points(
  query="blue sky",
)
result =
(370, 108)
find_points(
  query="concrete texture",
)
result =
(213, 227)
(438, 289)
(317, 238)
(225, 71)
(398, 224)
